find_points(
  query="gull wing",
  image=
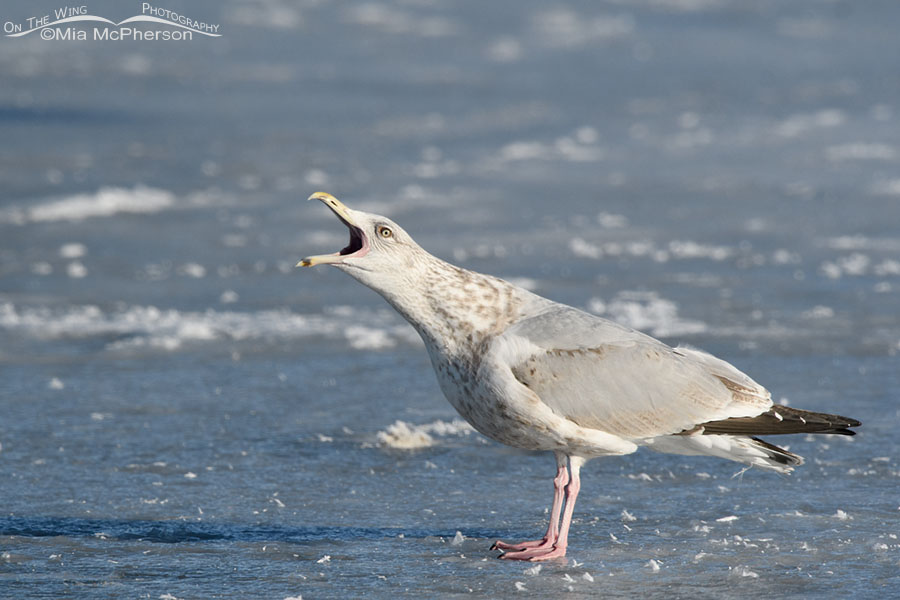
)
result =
(604, 376)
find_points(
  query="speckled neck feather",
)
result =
(454, 309)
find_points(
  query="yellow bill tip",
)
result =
(321, 196)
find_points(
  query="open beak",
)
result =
(358, 246)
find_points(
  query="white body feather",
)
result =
(536, 374)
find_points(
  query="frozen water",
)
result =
(184, 415)
(104, 203)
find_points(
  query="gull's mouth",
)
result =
(358, 246)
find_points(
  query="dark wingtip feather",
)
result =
(783, 420)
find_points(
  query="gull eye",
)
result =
(385, 232)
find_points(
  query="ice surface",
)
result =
(405, 436)
(151, 327)
(72, 250)
(722, 181)
(646, 311)
(105, 202)
(565, 27)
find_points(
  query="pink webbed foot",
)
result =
(536, 554)
(501, 545)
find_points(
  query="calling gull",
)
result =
(535, 374)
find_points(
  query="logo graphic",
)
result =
(62, 28)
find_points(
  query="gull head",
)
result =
(379, 249)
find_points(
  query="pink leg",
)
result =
(558, 548)
(559, 486)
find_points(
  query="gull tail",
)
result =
(744, 449)
(775, 458)
(735, 438)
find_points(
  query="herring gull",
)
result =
(536, 374)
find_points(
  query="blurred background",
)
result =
(184, 414)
